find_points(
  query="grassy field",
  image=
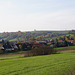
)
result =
(69, 47)
(55, 64)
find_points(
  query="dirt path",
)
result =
(11, 58)
(11, 54)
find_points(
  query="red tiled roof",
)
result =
(74, 41)
(60, 41)
(71, 41)
(40, 41)
(26, 42)
(36, 44)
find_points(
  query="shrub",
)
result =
(44, 50)
(1, 51)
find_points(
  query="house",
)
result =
(71, 42)
(1, 47)
(13, 44)
(60, 43)
(24, 45)
(41, 42)
(74, 42)
(36, 45)
(52, 41)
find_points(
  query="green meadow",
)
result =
(69, 47)
(54, 64)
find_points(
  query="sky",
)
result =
(27, 15)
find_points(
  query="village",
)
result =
(6, 46)
(31, 43)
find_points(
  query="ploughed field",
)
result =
(55, 64)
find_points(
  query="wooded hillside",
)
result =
(32, 35)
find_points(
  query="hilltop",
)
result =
(21, 36)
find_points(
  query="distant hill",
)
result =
(22, 36)
(72, 32)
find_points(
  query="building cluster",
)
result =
(28, 45)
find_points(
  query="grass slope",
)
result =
(69, 47)
(56, 64)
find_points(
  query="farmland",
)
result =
(55, 64)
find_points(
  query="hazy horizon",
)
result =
(27, 15)
(34, 31)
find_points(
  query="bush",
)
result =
(44, 50)
(1, 51)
